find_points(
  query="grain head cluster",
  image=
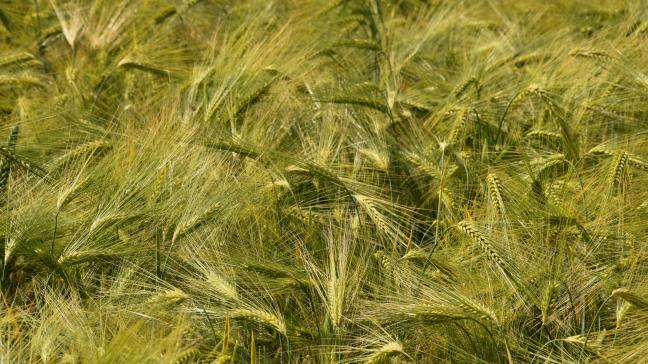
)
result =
(323, 181)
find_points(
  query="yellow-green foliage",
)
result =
(323, 181)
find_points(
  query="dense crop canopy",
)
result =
(319, 181)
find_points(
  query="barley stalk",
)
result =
(186, 356)
(261, 317)
(222, 286)
(462, 87)
(382, 354)
(617, 169)
(495, 192)
(86, 256)
(187, 226)
(632, 298)
(169, 297)
(84, 150)
(458, 126)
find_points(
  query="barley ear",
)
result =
(382, 354)
(617, 170)
(186, 356)
(630, 297)
(495, 192)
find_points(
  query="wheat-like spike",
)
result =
(49, 34)
(552, 193)
(70, 193)
(432, 313)
(159, 183)
(380, 160)
(234, 148)
(394, 268)
(369, 207)
(495, 192)
(113, 218)
(165, 14)
(642, 28)
(600, 151)
(622, 309)
(530, 58)
(16, 58)
(335, 300)
(316, 171)
(617, 169)
(449, 201)
(451, 111)
(529, 281)
(222, 286)
(461, 307)
(483, 243)
(633, 160)
(409, 103)
(80, 257)
(546, 165)
(416, 255)
(601, 13)
(531, 90)
(13, 138)
(24, 79)
(291, 283)
(351, 24)
(269, 269)
(479, 25)
(458, 125)
(476, 309)
(606, 110)
(222, 358)
(304, 215)
(172, 10)
(261, 317)
(5, 166)
(592, 54)
(637, 162)
(426, 167)
(626, 262)
(169, 297)
(384, 260)
(382, 354)
(632, 298)
(461, 88)
(88, 149)
(192, 224)
(548, 301)
(359, 101)
(593, 346)
(134, 62)
(545, 134)
(18, 161)
(5, 170)
(502, 61)
(246, 102)
(186, 356)
(330, 6)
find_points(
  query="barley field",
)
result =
(317, 181)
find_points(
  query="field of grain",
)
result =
(317, 181)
